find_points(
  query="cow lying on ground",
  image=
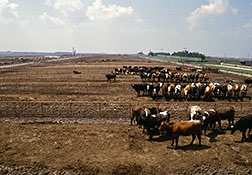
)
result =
(184, 128)
(76, 72)
(243, 124)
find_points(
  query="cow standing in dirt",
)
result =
(243, 124)
(184, 128)
(225, 113)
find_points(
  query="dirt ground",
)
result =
(55, 145)
(115, 148)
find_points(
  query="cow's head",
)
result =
(163, 126)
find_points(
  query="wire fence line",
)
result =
(84, 109)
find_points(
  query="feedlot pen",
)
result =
(53, 121)
(102, 110)
(52, 90)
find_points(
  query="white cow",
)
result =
(194, 112)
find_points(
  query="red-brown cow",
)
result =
(184, 128)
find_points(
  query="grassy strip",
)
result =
(166, 58)
(234, 70)
(213, 63)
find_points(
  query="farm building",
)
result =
(190, 59)
(246, 63)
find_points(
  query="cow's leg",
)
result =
(219, 122)
(144, 128)
(243, 135)
(205, 127)
(249, 132)
(177, 142)
(150, 137)
(193, 138)
(199, 137)
(213, 125)
(229, 123)
(172, 141)
(131, 120)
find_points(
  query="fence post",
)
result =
(187, 111)
(70, 110)
(130, 110)
(99, 110)
(15, 109)
(241, 110)
(42, 109)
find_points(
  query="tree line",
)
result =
(184, 53)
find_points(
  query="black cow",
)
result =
(224, 90)
(149, 89)
(218, 90)
(208, 118)
(111, 76)
(248, 81)
(143, 76)
(151, 120)
(139, 88)
(201, 90)
(243, 124)
(76, 72)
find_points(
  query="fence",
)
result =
(82, 109)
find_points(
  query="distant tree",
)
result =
(163, 53)
(189, 54)
(151, 54)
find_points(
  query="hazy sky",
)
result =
(212, 27)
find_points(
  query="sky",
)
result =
(212, 27)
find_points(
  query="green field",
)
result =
(209, 64)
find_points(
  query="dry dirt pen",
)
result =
(103, 110)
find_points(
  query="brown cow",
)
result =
(244, 90)
(187, 91)
(171, 89)
(201, 77)
(225, 113)
(236, 89)
(207, 93)
(164, 89)
(205, 77)
(185, 128)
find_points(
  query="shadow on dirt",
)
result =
(248, 139)
(214, 134)
(190, 147)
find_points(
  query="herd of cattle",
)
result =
(162, 74)
(196, 91)
(172, 84)
(157, 122)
